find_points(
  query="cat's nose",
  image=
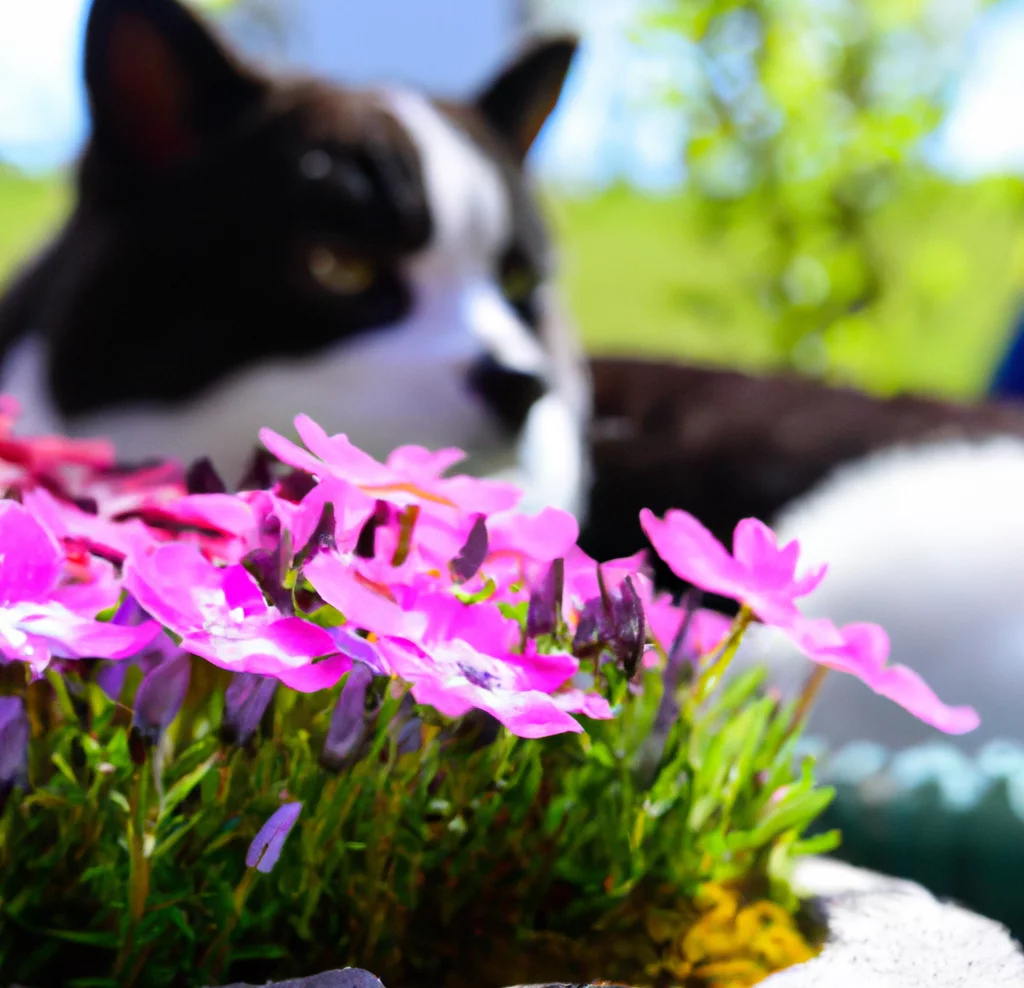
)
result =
(510, 394)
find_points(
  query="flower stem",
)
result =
(217, 951)
(809, 693)
(138, 864)
(719, 663)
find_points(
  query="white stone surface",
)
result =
(888, 933)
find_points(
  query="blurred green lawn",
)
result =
(29, 209)
(642, 279)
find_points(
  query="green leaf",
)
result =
(65, 769)
(99, 938)
(794, 812)
(180, 790)
(326, 617)
(818, 844)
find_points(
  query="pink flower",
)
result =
(364, 603)
(221, 615)
(40, 454)
(454, 678)
(38, 617)
(412, 475)
(862, 650)
(707, 630)
(759, 573)
(69, 523)
(763, 576)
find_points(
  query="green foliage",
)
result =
(29, 208)
(417, 865)
(647, 275)
(810, 117)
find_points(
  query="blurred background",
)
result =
(829, 185)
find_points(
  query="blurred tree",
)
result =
(805, 119)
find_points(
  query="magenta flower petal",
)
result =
(221, 616)
(218, 512)
(544, 672)
(98, 534)
(279, 648)
(338, 452)
(760, 574)
(455, 678)
(862, 650)
(287, 452)
(312, 678)
(548, 535)
(576, 701)
(71, 636)
(411, 476)
(241, 591)
(482, 625)
(177, 586)
(708, 629)
(352, 509)
(31, 560)
(266, 846)
(363, 605)
(692, 552)
(909, 690)
(419, 462)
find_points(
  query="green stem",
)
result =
(217, 950)
(719, 663)
(138, 863)
(809, 693)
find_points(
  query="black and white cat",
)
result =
(246, 247)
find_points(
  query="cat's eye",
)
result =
(338, 273)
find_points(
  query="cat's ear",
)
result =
(160, 84)
(518, 102)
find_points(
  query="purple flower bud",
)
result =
(410, 737)
(268, 570)
(407, 728)
(680, 663)
(295, 486)
(160, 696)
(266, 846)
(87, 504)
(14, 735)
(546, 602)
(615, 621)
(472, 555)
(681, 658)
(366, 546)
(322, 539)
(348, 722)
(630, 632)
(592, 628)
(258, 474)
(202, 478)
(245, 702)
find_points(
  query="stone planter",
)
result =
(883, 933)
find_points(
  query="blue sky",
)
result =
(599, 134)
